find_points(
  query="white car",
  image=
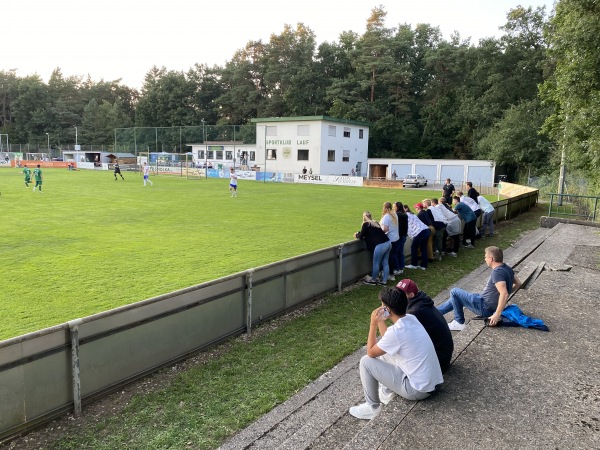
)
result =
(415, 179)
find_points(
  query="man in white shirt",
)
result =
(488, 215)
(402, 362)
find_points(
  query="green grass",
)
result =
(89, 243)
(216, 398)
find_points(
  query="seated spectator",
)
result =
(491, 302)
(403, 361)
(421, 306)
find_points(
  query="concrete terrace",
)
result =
(507, 388)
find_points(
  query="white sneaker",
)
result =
(391, 278)
(365, 411)
(455, 326)
(398, 272)
(410, 266)
(453, 254)
(385, 395)
(422, 268)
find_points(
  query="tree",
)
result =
(574, 90)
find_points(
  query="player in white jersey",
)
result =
(146, 169)
(233, 182)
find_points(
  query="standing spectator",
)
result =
(419, 233)
(466, 214)
(421, 306)
(378, 245)
(233, 182)
(304, 170)
(424, 217)
(448, 191)
(394, 175)
(37, 174)
(488, 215)
(403, 361)
(452, 229)
(492, 301)
(389, 225)
(403, 233)
(439, 223)
(27, 173)
(470, 203)
(146, 169)
(472, 192)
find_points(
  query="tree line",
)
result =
(510, 99)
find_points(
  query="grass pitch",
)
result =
(88, 243)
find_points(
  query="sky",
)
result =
(124, 39)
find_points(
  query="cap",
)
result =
(408, 286)
(419, 205)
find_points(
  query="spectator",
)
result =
(452, 229)
(488, 216)
(472, 192)
(468, 216)
(492, 301)
(448, 191)
(439, 225)
(378, 245)
(419, 233)
(403, 361)
(424, 217)
(421, 306)
(389, 224)
(403, 233)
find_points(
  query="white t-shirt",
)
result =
(414, 353)
(233, 179)
(146, 170)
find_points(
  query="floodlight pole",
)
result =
(75, 126)
(48, 136)
(205, 151)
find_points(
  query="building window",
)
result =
(210, 154)
(302, 155)
(360, 134)
(200, 154)
(229, 155)
(346, 132)
(303, 130)
(219, 154)
(330, 155)
(271, 153)
(332, 130)
(346, 156)
(252, 156)
(271, 130)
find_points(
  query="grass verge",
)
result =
(202, 406)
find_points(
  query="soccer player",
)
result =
(146, 174)
(37, 174)
(27, 172)
(118, 171)
(233, 182)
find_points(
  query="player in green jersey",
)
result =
(27, 173)
(37, 173)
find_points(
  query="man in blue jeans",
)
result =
(492, 301)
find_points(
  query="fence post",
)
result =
(249, 302)
(74, 331)
(340, 263)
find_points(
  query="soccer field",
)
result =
(88, 243)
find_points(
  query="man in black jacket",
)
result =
(421, 306)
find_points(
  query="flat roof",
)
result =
(309, 118)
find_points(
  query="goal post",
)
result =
(193, 171)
